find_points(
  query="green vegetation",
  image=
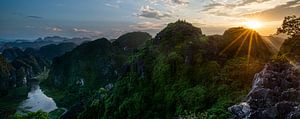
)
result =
(56, 113)
(178, 77)
(291, 46)
(132, 40)
(31, 115)
(179, 73)
(51, 51)
(10, 102)
(290, 26)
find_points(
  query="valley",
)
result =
(178, 73)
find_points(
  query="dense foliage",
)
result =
(177, 75)
(51, 51)
(31, 115)
(291, 46)
(290, 26)
(75, 75)
(20, 67)
(132, 40)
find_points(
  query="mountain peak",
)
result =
(132, 40)
(240, 41)
(178, 32)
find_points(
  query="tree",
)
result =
(290, 26)
(31, 115)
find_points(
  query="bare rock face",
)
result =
(275, 94)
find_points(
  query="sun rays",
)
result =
(232, 43)
(253, 24)
(248, 42)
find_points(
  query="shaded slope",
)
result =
(132, 40)
(240, 41)
(178, 75)
(51, 51)
(6, 81)
(291, 48)
(94, 62)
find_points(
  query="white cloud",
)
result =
(174, 2)
(182, 2)
(241, 7)
(148, 12)
(112, 5)
(87, 33)
(54, 29)
(147, 26)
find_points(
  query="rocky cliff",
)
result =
(21, 69)
(6, 73)
(95, 63)
(275, 94)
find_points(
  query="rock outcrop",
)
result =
(6, 76)
(17, 67)
(275, 94)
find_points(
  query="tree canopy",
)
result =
(290, 26)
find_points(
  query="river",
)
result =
(36, 100)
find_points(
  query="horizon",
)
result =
(110, 19)
(144, 59)
(116, 37)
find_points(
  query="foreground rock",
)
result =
(275, 94)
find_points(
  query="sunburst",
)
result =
(253, 24)
(248, 34)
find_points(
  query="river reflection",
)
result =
(36, 101)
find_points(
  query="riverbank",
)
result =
(10, 103)
(36, 101)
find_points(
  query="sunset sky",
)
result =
(30, 19)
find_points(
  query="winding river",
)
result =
(36, 101)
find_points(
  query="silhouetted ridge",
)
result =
(240, 41)
(176, 33)
(132, 40)
(53, 50)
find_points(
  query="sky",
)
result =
(30, 19)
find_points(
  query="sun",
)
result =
(253, 24)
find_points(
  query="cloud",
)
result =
(35, 17)
(149, 12)
(278, 13)
(240, 7)
(89, 33)
(147, 26)
(115, 4)
(26, 16)
(178, 2)
(181, 2)
(233, 4)
(54, 29)
(112, 5)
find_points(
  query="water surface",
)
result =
(36, 101)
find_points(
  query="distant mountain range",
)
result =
(38, 43)
(136, 76)
(179, 73)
